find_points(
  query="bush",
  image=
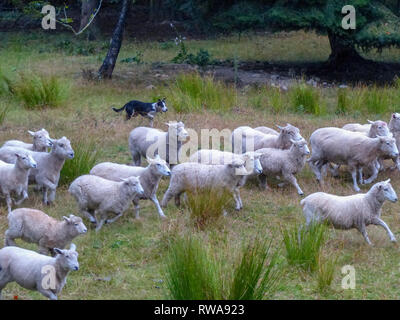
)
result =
(305, 99)
(303, 245)
(207, 206)
(191, 92)
(40, 91)
(137, 58)
(193, 272)
(85, 158)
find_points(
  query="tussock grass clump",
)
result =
(326, 272)
(191, 92)
(305, 99)
(303, 245)
(5, 85)
(207, 205)
(3, 112)
(40, 91)
(268, 98)
(377, 100)
(193, 272)
(343, 101)
(85, 158)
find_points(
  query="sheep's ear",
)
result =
(370, 122)
(279, 127)
(293, 141)
(168, 124)
(31, 132)
(17, 155)
(394, 116)
(149, 160)
(387, 181)
(72, 247)
(58, 251)
(67, 219)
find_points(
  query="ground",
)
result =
(126, 260)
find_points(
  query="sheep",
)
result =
(394, 127)
(96, 197)
(355, 211)
(34, 226)
(49, 165)
(41, 141)
(267, 130)
(191, 176)
(34, 271)
(355, 150)
(149, 178)
(14, 177)
(285, 163)
(248, 139)
(148, 142)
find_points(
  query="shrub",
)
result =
(85, 158)
(303, 245)
(40, 91)
(305, 99)
(191, 92)
(326, 272)
(377, 100)
(207, 206)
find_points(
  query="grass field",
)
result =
(127, 259)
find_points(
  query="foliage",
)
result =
(377, 100)
(326, 272)
(3, 112)
(305, 98)
(137, 58)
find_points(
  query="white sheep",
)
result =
(148, 142)
(285, 163)
(248, 139)
(97, 197)
(41, 141)
(34, 226)
(394, 127)
(344, 147)
(355, 211)
(149, 178)
(267, 130)
(34, 271)
(191, 176)
(47, 173)
(14, 177)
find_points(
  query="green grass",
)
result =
(326, 272)
(303, 245)
(3, 112)
(305, 98)
(377, 100)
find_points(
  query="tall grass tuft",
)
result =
(326, 272)
(206, 206)
(190, 272)
(85, 158)
(193, 272)
(343, 101)
(255, 276)
(3, 112)
(40, 91)
(303, 245)
(268, 98)
(377, 100)
(5, 85)
(191, 92)
(305, 99)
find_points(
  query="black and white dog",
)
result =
(145, 109)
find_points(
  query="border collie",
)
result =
(145, 109)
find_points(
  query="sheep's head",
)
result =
(68, 259)
(290, 132)
(75, 225)
(161, 105)
(62, 148)
(301, 146)
(388, 146)
(133, 185)
(394, 124)
(178, 129)
(378, 128)
(41, 139)
(25, 160)
(385, 191)
(160, 165)
(252, 162)
(238, 167)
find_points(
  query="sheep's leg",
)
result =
(88, 215)
(9, 202)
(334, 169)
(238, 200)
(380, 222)
(167, 196)
(24, 196)
(100, 218)
(316, 168)
(262, 178)
(360, 175)
(52, 195)
(136, 158)
(374, 175)
(155, 201)
(292, 179)
(354, 176)
(178, 199)
(47, 293)
(119, 215)
(136, 207)
(4, 280)
(363, 231)
(9, 239)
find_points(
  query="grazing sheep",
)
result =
(372, 130)
(35, 226)
(394, 127)
(149, 178)
(267, 130)
(41, 141)
(34, 271)
(355, 150)
(356, 211)
(97, 197)
(248, 139)
(147, 142)
(14, 177)
(49, 165)
(191, 176)
(285, 163)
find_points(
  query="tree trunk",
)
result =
(87, 9)
(343, 53)
(108, 65)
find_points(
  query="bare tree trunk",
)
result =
(87, 9)
(108, 65)
(342, 52)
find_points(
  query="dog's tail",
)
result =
(118, 110)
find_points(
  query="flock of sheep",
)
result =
(107, 191)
